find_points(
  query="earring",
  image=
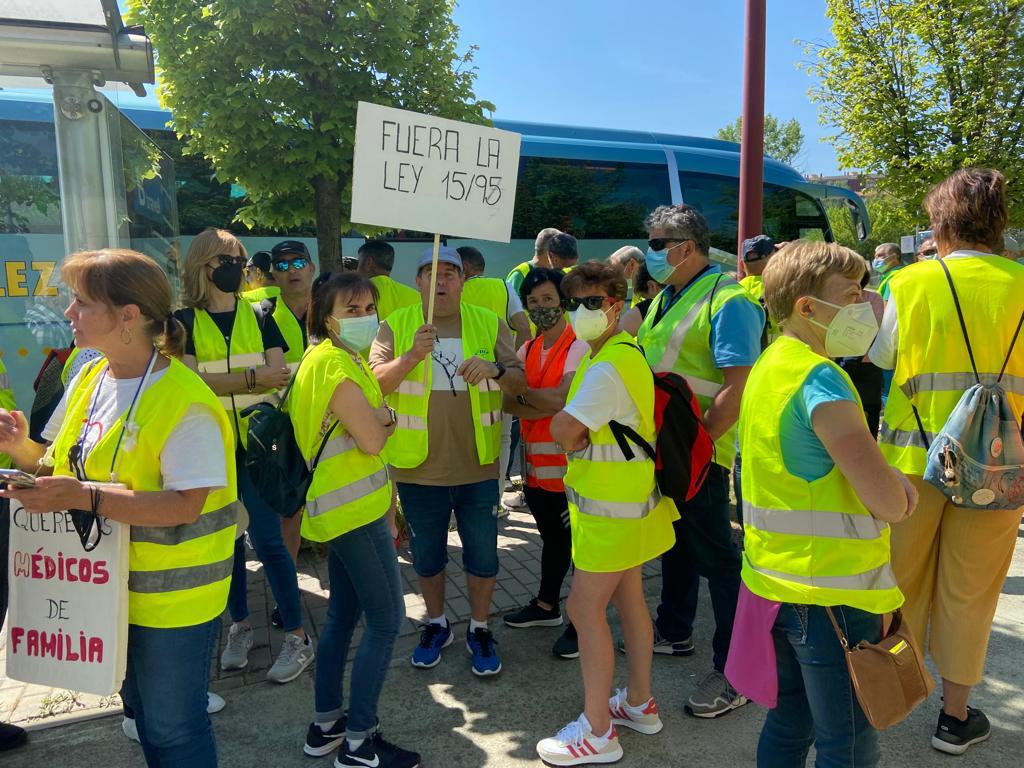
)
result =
(126, 335)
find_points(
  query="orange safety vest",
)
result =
(546, 462)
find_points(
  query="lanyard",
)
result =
(663, 308)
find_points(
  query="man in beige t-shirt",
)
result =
(450, 478)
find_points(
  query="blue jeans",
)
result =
(817, 704)
(278, 566)
(165, 689)
(363, 572)
(704, 547)
(428, 509)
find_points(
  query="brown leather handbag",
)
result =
(889, 677)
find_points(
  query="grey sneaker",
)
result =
(665, 647)
(236, 652)
(296, 654)
(714, 697)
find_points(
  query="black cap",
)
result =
(261, 260)
(289, 246)
(757, 248)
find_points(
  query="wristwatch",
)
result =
(393, 414)
(501, 369)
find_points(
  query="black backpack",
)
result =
(273, 459)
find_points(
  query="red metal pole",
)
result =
(752, 134)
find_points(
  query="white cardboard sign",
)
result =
(67, 624)
(413, 171)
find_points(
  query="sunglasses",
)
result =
(224, 260)
(660, 243)
(930, 252)
(590, 302)
(284, 266)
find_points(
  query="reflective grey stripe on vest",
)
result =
(174, 579)
(544, 449)
(556, 472)
(703, 386)
(877, 578)
(347, 493)
(904, 438)
(244, 360)
(209, 522)
(675, 341)
(602, 452)
(335, 447)
(805, 522)
(621, 510)
(412, 387)
(405, 421)
(958, 382)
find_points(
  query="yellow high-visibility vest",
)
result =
(178, 576)
(487, 292)
(392, 295)
(7, 403)
(349, 488)
(409, 445)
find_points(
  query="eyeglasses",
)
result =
(930, 252)
(284, 266)
(660, 243)
(224, 260)
(590, 302)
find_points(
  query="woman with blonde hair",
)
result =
(139, 418)
(239, 352)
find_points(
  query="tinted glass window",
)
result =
(589, 198)
(29, 192)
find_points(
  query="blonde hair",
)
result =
(801, 268)
(195, 289)
(118, 277)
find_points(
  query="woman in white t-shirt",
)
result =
(143, 421)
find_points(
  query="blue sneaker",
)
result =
(480, 644)
(433, 638)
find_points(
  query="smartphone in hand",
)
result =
(17, 479)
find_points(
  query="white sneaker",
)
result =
(214, 703)
(576, 744)
(236, 652)
(515, 500)
(644, 719)
(129, 728)
(296, 654)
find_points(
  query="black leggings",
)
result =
(551, 511)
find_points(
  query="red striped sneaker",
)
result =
(644, 719)
(576, 744)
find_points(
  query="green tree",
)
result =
(267, 90)
(889, 217)
(783, 140)
(920, 88)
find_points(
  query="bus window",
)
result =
(592, 199)
(788, 214)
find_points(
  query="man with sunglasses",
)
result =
(707, 327)
(293, 271)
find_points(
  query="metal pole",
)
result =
(752, 134)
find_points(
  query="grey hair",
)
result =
(540, 245)
(682, 221)
(891, 249)
(626, 254)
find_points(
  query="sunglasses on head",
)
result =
(590, 302)
(224, 260)
(284, 265)
(660, 243)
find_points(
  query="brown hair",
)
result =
(118, 277)
(327, 291)
(595, 274)
(969, 207)
(801, 268)
(195, 285)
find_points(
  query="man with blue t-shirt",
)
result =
(706, 327)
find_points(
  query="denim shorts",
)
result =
(428, 511)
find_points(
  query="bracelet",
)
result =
(250, 379)
(98, 501)
(394, 416)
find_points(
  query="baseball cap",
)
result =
(757, 248)
(285, 247)
(445, 255)
(260, 260)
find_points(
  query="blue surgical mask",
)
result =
(658, 266)
(880, 266)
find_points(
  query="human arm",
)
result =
(520, 324)
(884, 348)
(735, 346)
(540, 403)
(391, 369)
(273, 375)
(724, 410)
(569, 432)
(631, 321)
(15, 442)
(475, 369)
(366, 424)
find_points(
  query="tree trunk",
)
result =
(328, 222)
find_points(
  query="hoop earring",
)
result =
(126, 335)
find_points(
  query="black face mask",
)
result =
(228, 277)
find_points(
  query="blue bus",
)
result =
(597, 184)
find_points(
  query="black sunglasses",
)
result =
(284, 266)
(224, 260)
(590, 302)
(930, 252)
(660, 243)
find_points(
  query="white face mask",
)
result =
(588, 324)
(851, 331)
(357, 333)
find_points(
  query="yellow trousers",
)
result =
(951, 563)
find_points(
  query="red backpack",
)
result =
(683, 449)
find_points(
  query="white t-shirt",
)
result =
(602, 397)
(193, 456)
(515, 304)
(446, 359)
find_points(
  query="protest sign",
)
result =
(425, 173)
(67, 624)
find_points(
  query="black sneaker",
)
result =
(953, 736)
(374, 752)
(568, 645)
(275, 619)
(11, 736)
(534, 616)
(320, 743)
(663, 647)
